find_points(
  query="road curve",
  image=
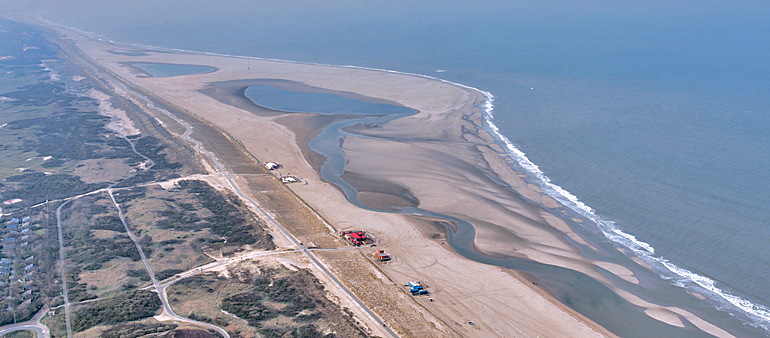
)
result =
(31, 325)
(199, 147)
(133, 148)
(226, 175)
(161, 289)
(20, 327)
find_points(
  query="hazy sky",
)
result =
(640, 38)
(328, 10)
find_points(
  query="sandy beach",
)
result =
(439, 159)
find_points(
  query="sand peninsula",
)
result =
(439, 159)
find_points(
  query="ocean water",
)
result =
(651, 120)
(582, 293)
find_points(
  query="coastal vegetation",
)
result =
(51, 131)
(38, 187)
(229, 217)
(139, 273)
(110, 222)
(59, 148)
(83, 247)
(20, 334)
(76, 290)
(124, 307)
(180, 225)
(278, 302)
(135, 330)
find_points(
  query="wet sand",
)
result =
(438, 159)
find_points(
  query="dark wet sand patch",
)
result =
(140, 73)
(233, 93)
(380, 194)
(307, 126)
(433, 229)
(127, 53)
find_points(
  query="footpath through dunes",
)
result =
(312, 210)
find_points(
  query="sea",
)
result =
(649, 120)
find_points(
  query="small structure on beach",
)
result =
(272, 165)
(357, 238)
(417, 288)
(381, 256)
(289, 179)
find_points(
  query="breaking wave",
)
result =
(758, 314)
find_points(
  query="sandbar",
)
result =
(439, 159)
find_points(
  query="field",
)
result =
(288, 210)
(381, 294)
(62, 143)
(100, 258)
(21, 334)
(186, 223)
(275, 298)
(56, 143)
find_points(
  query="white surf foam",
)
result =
(758, 313)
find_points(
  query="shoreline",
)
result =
(486, 153)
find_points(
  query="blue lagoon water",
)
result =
(651, 120)
(319, 103)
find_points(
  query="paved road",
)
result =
(191, 177)
(133, 148)
(61, 245)
(205, 267)
(199, 147)
(223, 262)
(32, 325)
(61, 268)
(161, 289)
